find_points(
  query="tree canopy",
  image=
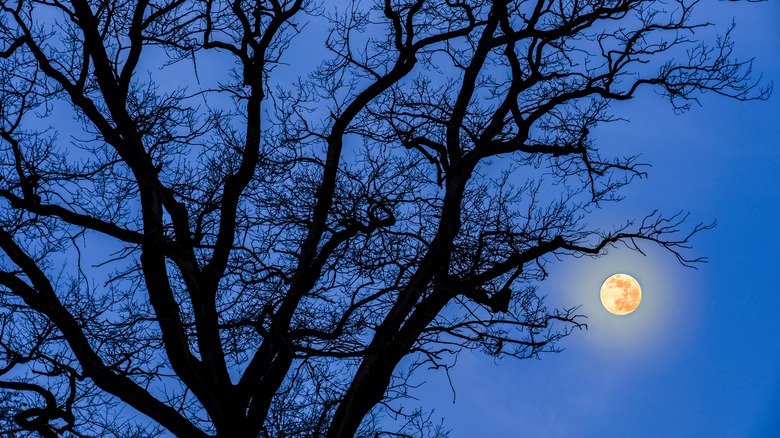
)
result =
(258, 217)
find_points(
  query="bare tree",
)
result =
(196, 228)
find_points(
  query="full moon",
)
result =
(621, 294)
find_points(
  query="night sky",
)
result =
(700, 357)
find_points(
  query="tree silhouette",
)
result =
(238, 218)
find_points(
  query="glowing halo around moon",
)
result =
(621, 294)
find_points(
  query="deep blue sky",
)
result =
(701, 355)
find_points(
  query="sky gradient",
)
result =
(701, 356)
